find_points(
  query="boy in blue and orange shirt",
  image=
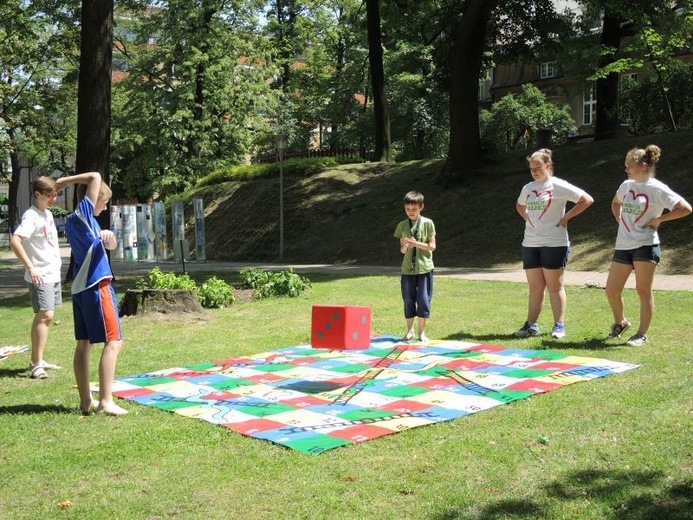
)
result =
(93, 298)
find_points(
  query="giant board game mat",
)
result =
(313, 400)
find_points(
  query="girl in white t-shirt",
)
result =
(638, 207)
(546, 247)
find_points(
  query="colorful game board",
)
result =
(313, 400)
(8, 351)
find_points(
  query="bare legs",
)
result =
(644, 278)
(107, 365)
(39, 335)
(410, 329)
(422, 328)
(540, 280)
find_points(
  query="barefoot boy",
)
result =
(417, 241)
(93, 298)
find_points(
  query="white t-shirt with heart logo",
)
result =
(640, 203)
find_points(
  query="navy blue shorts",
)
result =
(641, 254)
(417, 292)
(96, 314)
(545, 257)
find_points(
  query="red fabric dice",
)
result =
(341, 327)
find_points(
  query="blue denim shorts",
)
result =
(545, 257)
(641, 254)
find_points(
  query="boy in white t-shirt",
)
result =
(35, 243)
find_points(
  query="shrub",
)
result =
(642, 106)
(267, 284)
(514, 121)
(157, 279)
(216, 294)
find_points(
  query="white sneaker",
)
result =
(637, 340)
(558, 331)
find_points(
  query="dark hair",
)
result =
(414, 197)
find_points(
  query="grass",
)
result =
(348, 214)
(618, 447)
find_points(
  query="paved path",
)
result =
(11, 280)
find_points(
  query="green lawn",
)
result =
(618, 447)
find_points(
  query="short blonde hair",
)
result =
(105, 192)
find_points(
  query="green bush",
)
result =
(59, 212)
(642, 107)
(514, 121)
(267, 284)
(216, 294)
(157, 279)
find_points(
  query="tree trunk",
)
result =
(12, 202)
(466, 57)
(94, 96)
(607, 88)
(383, 146)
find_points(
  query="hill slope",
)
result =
(348, 214)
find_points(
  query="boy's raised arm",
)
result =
(93, 179)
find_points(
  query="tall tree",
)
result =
(466, 57)
(657, 31)
(38, 43)
(195, 94)
(607, 87)
(94, 93)
(383, 145)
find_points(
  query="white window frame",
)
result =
(547, 69)
(589, 104)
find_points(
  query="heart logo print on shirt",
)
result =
(538, 194)
(636, 196)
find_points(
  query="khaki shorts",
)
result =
(45, 297)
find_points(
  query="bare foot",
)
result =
(423, 337)
(409, 335)
(110, 409)
(91, 407)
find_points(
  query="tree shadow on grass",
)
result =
(630, 495)
(33, 409)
